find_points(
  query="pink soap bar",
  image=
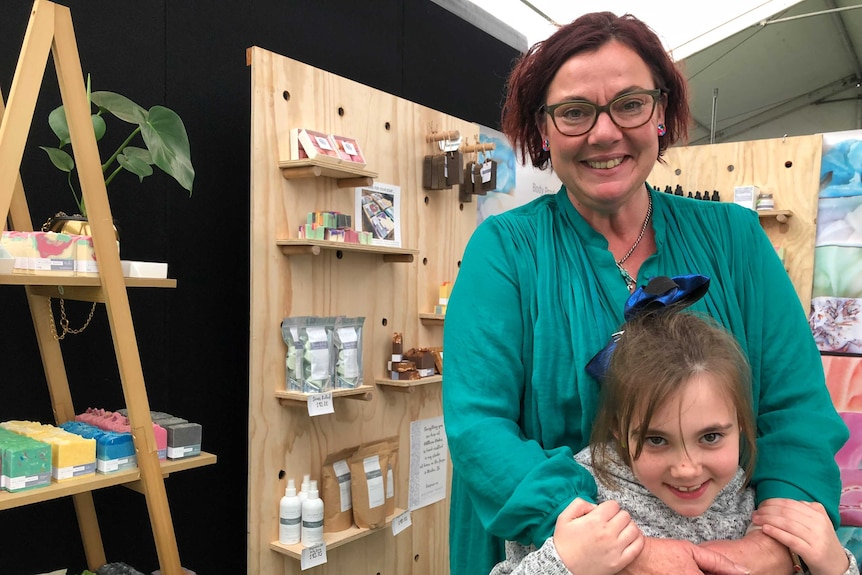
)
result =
(119, 423)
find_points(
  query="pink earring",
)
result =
(546, 145)
(662, 130)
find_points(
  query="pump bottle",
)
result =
(289, 516)
(312, 517)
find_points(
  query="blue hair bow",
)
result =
(660, 292)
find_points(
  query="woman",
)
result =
(542, 287)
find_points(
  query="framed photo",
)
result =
(378, 210)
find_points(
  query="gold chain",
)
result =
(64, 320)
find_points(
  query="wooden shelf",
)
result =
(779, 215)
(73, 281)
(97, 481)
(432, 318)
(334, 540)
(295, 247)
(408, 386)
(294, 398)
(345, 176)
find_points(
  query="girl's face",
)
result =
(604, 167)
(691, 449)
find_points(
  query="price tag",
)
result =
(313, 556)
(320, 403)
(401, 523)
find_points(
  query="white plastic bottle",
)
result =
(312, 517)
(289, 516)
(303, 491)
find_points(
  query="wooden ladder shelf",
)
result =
(50, 30)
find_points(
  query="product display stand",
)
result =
(390, 286)
(789, 168)
(50, 29)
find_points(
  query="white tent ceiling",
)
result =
(765, 68)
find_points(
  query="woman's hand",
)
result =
(805, 529)
(663, 556)
(596, 539)
(761, 554)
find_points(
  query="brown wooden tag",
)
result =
(454, 169)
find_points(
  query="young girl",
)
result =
(672, 450)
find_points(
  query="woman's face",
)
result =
(604, 167)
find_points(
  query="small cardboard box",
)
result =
(746, 196)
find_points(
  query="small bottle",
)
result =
(289, 516)
(697, 195)
(312, 517)
(303, 491)
(715, 196)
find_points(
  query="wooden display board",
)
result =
(390, 288)
(789, 168)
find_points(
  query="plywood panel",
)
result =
(789, 168)
(391, 132)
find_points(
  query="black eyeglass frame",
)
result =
(549, 109)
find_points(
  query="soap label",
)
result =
(60, 473)
(184, 451)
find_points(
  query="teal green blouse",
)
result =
(538, 294)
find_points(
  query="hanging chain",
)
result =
(64, 320)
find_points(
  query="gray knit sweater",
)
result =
(727, 518)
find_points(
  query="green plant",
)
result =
(162, 131)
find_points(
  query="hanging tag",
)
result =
(455, 173)
(426, 173)
(438, 171)
(489, 176)
(465, 190)
(477, 179)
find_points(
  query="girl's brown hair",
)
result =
(533, 72)
(656, 356)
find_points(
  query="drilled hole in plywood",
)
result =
(387, 125)
(416, 558)
(677, 171)
(461, 207)
(788, 164)
(459, 264)
(339, 254)
(730, 168)
(340, 111)
(281, 474)
(385, 322)
(424, 261)
(427, 200)
(286, 96)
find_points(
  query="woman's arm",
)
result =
(517, 487)
(796, 420)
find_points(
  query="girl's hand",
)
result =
(806, 530)
(596, 539)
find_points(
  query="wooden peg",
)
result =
(442, 136)
(487, 147)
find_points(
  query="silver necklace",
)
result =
(630, 281)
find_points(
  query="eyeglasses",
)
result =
(577, 117)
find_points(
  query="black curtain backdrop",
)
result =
(190, 57)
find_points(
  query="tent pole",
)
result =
(712, 123)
